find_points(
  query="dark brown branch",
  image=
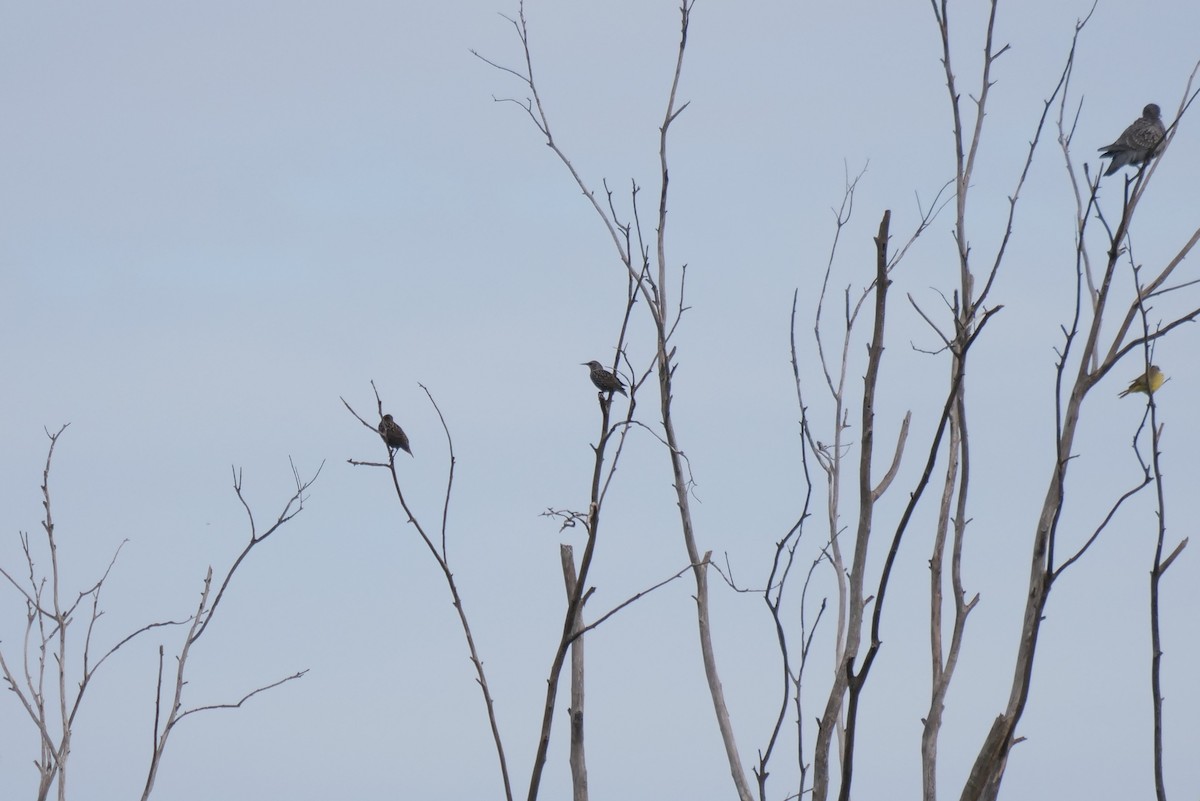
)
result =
(450, 471)
(288, 512)
(243, 699)
(866, 500)
(635, 597)
(440, 558)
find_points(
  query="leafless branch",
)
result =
(537, 113)
(243, 699)
(293, 507)
(635, 597)
(441, 558)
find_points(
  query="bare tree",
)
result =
(653, 279)
(441, 556)
(1078, 374)
(970, 314)
(845, 459)
(55, 650)
(169, 715)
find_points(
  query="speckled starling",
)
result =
(1140, 141)
(1147, 382)
(393, 434)
(604, 380)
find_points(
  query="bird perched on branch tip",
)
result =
(1140, 142)
(1146, 383)
(604, 380)
(393, 434)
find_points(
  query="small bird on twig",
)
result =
(1140, 141)
(393, 434)
(604, 380)
(1146, 383)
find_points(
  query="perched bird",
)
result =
(604, 380)
(1146, 383)
(393, 434)
(1140, 142)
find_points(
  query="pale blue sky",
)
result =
(216, 219)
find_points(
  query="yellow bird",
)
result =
(1146, 383)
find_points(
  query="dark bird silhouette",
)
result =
(393, 434)
(604, 380)
(1140, 142)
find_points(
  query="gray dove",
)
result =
(1140, 142)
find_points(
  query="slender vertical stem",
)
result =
(578, 758)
